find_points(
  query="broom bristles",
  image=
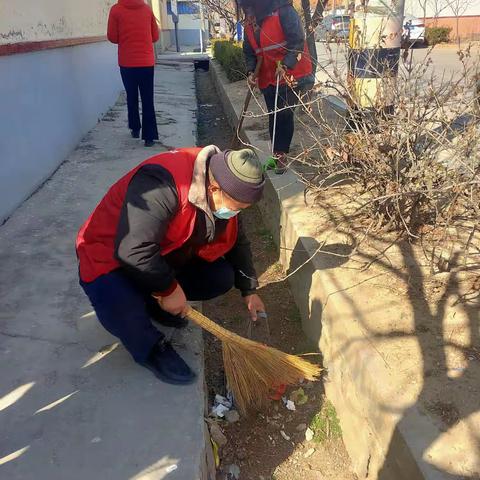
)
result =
(253, 369)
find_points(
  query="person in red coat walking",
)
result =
(133, 27)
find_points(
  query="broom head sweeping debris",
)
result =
(253, 369)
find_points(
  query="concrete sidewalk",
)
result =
(73, 405)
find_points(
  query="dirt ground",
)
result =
(256, 444)
(270, 444)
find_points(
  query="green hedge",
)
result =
(230, 56)
(435, 35)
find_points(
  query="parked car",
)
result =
(334, 28)
(413, 31)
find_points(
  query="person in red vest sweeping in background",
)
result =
(132, 25)
(274, 33)
(167, 232)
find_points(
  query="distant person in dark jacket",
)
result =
(274, 33)
(132, 25)
(170, 231)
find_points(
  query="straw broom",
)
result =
(253, 369)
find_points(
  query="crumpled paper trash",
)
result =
(221, 406)
(289, 404)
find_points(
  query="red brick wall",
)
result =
(468, 26)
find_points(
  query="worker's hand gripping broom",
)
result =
(252, 369)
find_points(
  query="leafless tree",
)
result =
(459, 7)
(222, 9)
(429, 8)
(423, 4)
(311, 22)
(438, 7)
(412, 174)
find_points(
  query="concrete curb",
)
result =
(384, 441)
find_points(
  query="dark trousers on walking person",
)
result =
(287, 99)
(126, 310)
(135, 80)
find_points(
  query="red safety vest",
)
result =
(272, 49)
(96, 239)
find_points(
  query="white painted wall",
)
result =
(49, 99)
(33, 20)
(413, 7)
(186, 22)
(189, 27)
(159, 8)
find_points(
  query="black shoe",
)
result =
(167, 365)
(149, 143)
(135, 133)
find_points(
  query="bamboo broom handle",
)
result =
(213, 327)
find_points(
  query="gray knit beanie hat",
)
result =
(239, 174)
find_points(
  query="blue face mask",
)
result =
(225, 213)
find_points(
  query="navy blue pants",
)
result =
(287, 99)
(125, 310)
(140, 79)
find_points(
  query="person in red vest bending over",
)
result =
(132, 25)
(274, 34)
(167, 232)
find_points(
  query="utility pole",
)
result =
(239, 24)
(174, 7)
(374, 54)
(202, 25)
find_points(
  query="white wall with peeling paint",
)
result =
(159, 8)
(415, 7)
(50, 99)
(35, 20)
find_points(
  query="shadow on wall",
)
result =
(439, 398)
(308, 257)
(430, 322)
